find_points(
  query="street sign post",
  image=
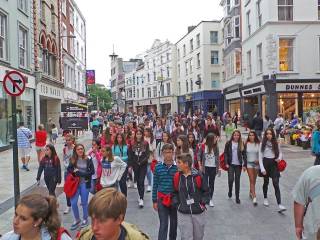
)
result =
(14, 84)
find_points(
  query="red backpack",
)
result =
(176, 181)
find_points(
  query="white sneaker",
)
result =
(67, 210)
(282, 208)
(129, 184)
(266, 202)
(254, 201)
(211, 203)
(135, 186)
(149, 188)
(141, 203)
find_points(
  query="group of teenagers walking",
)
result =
(180, 164)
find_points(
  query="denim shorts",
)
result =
(252, 165)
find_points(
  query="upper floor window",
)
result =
(71, 16)
(22, 5)
(184, 50)
(186, 66)
(64, 37)
(3, 36)
(179, 70)
(198, 60)
(179, 88)
(286, 50)
(213, 37)
(237, 27)
(178, 53)
(249, 66)
(168, 89)
(53, 19)
(318, 9)
(248, 23)
(198, 40)
(191, 45)
(149, 92)
(259, 58)
(64, 7)
(259, 14)
(285, 10)
(168, 72)
(42, 9)
(215, 80)
(155, 91)
(214, 57)
(168, 57)
(23, 48)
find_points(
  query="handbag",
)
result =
(71, 185)
(222, 163)
(282, 164)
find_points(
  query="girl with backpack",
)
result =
(37, 217)
(190, 196)
(269, 155)
(209, 162)
(50, 164)
(81, 166)
(139, 157)
(120, 149)
(235, 159)
(95, 155)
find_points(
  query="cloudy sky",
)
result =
(132, 25)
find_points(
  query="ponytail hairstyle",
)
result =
(44, 208)
(211, 142)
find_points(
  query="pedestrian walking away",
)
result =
(162, 194)
(269, 154)
(24, 146)
(41, 140)
(235, 160)
(50, 165)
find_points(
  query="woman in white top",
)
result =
(252, 150)
(269, 156)
(148, 137)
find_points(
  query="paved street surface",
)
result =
(226, 220)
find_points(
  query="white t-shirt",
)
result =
(235, 160)
(210, 158)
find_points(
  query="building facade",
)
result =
(47, 55)
(16, 53)
(80, 46)
(281, 62)
(199, 69)
(232, 55)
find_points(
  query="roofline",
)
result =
(78, 10)
(214, 21)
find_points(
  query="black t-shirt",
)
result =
(122, 236)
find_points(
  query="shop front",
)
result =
(233, 102)
(254, 100)
(129, 106)
(25, 110)
(165, 106)
(147, 106)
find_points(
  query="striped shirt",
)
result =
(23, 135)
(163, 179)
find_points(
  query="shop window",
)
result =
(286, 50)
(285, 10)
(288, 104)
(211, 106)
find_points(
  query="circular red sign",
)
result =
(14, 83)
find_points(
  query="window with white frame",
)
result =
(179, 88)
(178, 54)
(214, 57)
(22, 5)
(249, 66)
(191, 85)
(259, 14)
(138, 93)
(154, 76)
(63, 7)
(198, 61)
(187, 86)
(215, 80)
(248, 23)
(213, 37)
(190, 66)
(237, 27)
(186, 66)
(191, 45)
(184, 50)
(286, 54)
(71, 16)
(168, 89)
(168, 72)
(179, 70)
(142, 92)
(318, 9)
(64, 37)
(259, 58)
(238, 62)
(168, 57)
(72, 47)
(23, 48)
(78, 49)
(285, 10)
(198, 40)
(3, 36)
(82, 54)
(228, 33)
(199, 80)
(154, 89)
(149, 92)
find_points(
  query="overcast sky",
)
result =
(132, 26)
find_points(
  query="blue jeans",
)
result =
(149, 175)
(93, 186)
(83, 192)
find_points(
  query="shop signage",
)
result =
(253, 91)
(297, 87)
(74, 123)
(232, 95)
(165, 100)
(73, 107)
(74, 116)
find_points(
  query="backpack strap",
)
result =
(61, 231)
(176, 181)
(198, 181)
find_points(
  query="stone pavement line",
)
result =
(27, 179)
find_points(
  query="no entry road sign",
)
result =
(14, 83)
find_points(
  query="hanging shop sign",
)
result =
(253, 91)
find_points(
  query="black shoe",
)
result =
(230, 194)
(238, 201)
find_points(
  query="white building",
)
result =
(281, 62)
(80, 53)
(199, 68)
(232, 54)
(155, 81)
